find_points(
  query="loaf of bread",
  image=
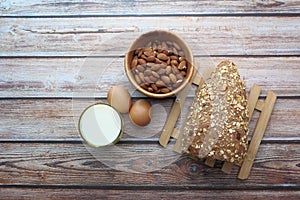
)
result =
(217, 123)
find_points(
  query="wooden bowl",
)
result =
(161, 35)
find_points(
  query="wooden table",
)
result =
(43, 47)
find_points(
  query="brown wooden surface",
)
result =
(52, 119)
(140, 7)
(41, 193)
(76, 77)
(43, 66)
(72, 165)
(113, 35)
(258, 133)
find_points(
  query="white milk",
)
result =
(100, 125)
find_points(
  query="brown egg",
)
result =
(119, 98)
(140, 113)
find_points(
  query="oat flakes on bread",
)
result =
(217, 123)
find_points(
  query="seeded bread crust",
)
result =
(217, 124)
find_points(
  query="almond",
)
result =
(166, 79)
(161, 71)
(173, 57)
(148, 72)
(142, 77)
(137, 78)
(157, 61)
(174, 62)
(134, 62)
(150, 89)
(179, 76)
(147, 49)
(144, 86)
(142, 61)
(149, 53)
(182, 65)
(160, 83)
(168, 69)
(174, 50)
(153, 79)
(162, 56)
(150, 64)
(175, 70)
(155, 67)
(140, 53)
(173, 78)
(140, 68)
(165, 90)
(155, 74)
(147, 79)
(151, 59)
(176, 85)
(154, 86)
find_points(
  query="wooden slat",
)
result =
(68, 77)
(71, 164)
(253, 98)
(197, 80)
(170, 124)
(259, 105)
(175, 133)
(258, 134)
(227, 167)
(140, 7)
(113, 35)
(210, 162)
(52, 119)
(28, 193)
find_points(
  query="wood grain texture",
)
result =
(253, 98)
(140, 7)
(113, 35)
(71, 164)
(42, 49)
(79, 77)
(53, 194)
(52, 119)
(257, 135)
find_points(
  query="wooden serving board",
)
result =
(265, 107)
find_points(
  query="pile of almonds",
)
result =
(160, 67)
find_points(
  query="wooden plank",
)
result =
(77, 77)
(210, 162)
(258, 134)
(259, 105)
(170, 124)
(52, 119)
(277, 165)
(113, 35)
(175, 133)
(40, 193)
(140, 7)
(253, 98)
(197, 80)
(227, 167)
